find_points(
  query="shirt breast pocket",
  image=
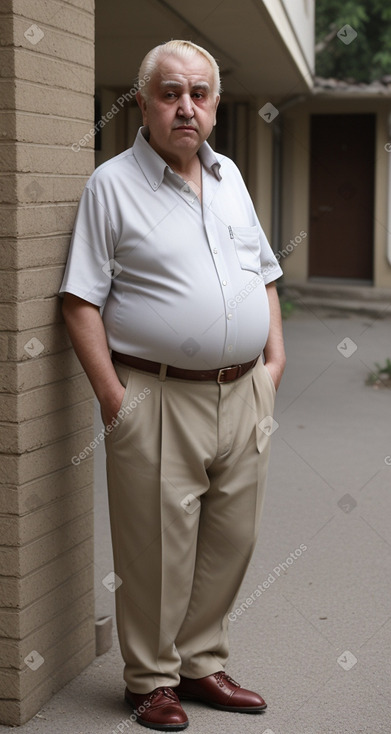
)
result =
(248, 247)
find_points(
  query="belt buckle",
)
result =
(225, 369)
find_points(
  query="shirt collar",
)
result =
(154, 167)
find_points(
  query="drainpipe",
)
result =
(277, 184)
(277, 169)
(389, 194)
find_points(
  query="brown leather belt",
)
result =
(226, 374)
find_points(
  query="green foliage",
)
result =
(287, 308)
(382, 374)
(366, 58)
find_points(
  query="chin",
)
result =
(188, 143)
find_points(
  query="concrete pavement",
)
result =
(315, 639)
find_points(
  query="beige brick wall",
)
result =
(47, 629)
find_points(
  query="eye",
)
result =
(170, 95)
(198, 95)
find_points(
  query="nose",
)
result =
(185, 106)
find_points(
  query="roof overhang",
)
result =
(257, 48)
(338, 89)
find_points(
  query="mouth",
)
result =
(186, 127)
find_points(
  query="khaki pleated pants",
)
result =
(186, 470)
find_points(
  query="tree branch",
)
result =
(326, 41)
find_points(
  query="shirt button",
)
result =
(230, 347)
(224, 282)
(215, 251)
(229, 316)
(186, 189)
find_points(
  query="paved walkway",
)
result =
(316, 643)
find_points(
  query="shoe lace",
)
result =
(167, 692)
(222, 678)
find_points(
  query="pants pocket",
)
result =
(124, 375)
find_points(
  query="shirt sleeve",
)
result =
(90, 264)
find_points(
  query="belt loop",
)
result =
(162, 372)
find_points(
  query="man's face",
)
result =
(181, 107)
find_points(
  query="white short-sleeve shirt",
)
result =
(179, 282)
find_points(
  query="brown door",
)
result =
(342, 195)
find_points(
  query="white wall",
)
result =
(295, 22)
(301, 14)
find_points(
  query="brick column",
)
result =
(47, 633)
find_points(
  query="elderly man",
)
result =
(167, 242)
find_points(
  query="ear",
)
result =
(216, 106)
(143, 106)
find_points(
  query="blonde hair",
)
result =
(184, 49)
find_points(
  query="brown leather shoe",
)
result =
(221, 692)
(160, 709)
